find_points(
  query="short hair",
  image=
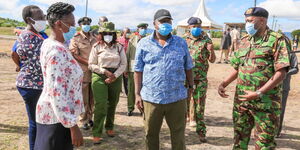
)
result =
(57, 11)
(27, 11)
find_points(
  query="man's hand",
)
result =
(221, 91)
(249, 95)
(139, 103)
(77, 138)
(190, 92)
(109, 74)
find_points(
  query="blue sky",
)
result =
(131, 12)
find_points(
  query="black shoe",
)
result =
(91, 123)
(130, 113)
(85, 126)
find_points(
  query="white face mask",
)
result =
(39, 25)
(108, 38)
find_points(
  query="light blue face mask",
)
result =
(70, 34)
(86, 28)
(196, 31)
(250, 28)
(165, 29)
(143, 32)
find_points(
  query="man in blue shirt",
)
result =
(162, 66)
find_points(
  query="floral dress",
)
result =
(61, 99)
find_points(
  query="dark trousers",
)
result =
(125, 83)
(30, 97)
(53, 137)
(285, 95)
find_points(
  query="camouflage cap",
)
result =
(107, 27)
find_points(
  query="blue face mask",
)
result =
(70, 34)
(250, 28)
(196, 31)
(165, 29)
(86, 28)
(142, 32)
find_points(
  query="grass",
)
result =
(7, 31)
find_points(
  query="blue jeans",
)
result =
(30, 97)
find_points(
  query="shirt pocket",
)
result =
(262, 58)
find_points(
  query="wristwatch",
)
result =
(259, 93)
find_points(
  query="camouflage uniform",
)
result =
(256, 63)
(200, 54)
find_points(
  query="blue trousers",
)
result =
(30, 97)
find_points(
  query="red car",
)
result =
(18, 30)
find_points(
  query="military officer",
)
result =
(202, 52)
(80, 47)
(130, 53)
(260, 65)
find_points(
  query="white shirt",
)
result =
(235, 34)
(61, 99)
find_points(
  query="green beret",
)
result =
(142, 25)
(84, 19)
(107, 27)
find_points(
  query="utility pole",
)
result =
(254, 3)
(273, 22)
(86, 7)
(275, 25)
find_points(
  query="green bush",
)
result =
(216, 34)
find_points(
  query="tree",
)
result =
(296, 33)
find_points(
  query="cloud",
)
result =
(6, 8)
(49, 2)
(282, 8)
(169, 2)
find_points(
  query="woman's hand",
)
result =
(77, 138)
(110, 80)
(109, 74)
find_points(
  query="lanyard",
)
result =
(38, 35)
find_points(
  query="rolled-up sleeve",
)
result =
(139, 58)
(93, 62)
(188, 62)
(123, 63)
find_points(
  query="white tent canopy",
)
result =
(203, 15)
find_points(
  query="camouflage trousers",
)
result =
(265, 123)
(198, 99)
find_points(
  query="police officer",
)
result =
(260, 65)
(202, 52)
(130, 53)
(80, 47)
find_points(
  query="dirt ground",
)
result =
(130, 133)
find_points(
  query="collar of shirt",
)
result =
(168, 41)
(84, 36)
